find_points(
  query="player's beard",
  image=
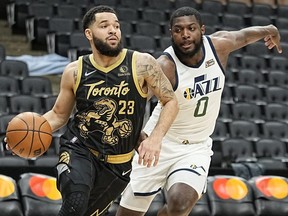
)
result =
(105, 49)
(181, 54)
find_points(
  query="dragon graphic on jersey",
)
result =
(103, 119)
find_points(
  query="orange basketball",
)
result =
(29, 135)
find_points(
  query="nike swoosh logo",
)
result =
(125, 172)
(89, 73)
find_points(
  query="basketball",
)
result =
(29, 135)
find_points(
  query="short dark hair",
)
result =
(89, 17)
(185, 11)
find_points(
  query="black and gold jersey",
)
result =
(110, 104)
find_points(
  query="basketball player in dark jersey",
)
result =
(109, 88)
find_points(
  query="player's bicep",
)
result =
(228, 41)
(156, 80)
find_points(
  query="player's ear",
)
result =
(203, 29)
(88, 34)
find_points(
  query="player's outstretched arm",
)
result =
(151, 76)
(64, 104)
(229, 41)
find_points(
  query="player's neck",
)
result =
(105, 61)
(194, 60)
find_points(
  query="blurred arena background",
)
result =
(249, 172)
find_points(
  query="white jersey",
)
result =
(198, 91)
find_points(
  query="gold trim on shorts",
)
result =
(113, 159)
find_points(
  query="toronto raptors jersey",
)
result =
(198, 92)
(110, 104)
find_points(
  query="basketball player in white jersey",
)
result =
(195, 65)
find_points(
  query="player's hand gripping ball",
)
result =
(29, 135)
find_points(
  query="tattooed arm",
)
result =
(62, 109)
(152, 78)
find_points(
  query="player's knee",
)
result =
(74, 204)
(177, 205)
(75, 199)
(181, 204)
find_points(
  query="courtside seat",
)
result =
(4, 108)
(149, 29)
(43, 89)
(163, 5)
(25, 103)
(249, 93)
(2, 52)
(278, 78)
(15, 68)
(251, 77)
(9, 197)
(39, 194)
(239, 7)
(271, 195)
(271, 154)
(11, 161)
(276, 112)
(232, 22)
(143, 43)
(135, 4)
(244, 129)
(247, 111)
(276, 130)
(49, 161)
(188, 3)
(279, 63)
(237, 150)
(230, 195)
(70, 11)
(213, 7)
(253, 62)
(154, 16)
(260, 20)
(277, 94)
(210, 19)
(9, 86)
(220, 132)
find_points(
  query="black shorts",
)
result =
(78, 166)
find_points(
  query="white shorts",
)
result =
(178, 163)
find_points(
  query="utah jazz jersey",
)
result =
(198, 92)
(110, 104)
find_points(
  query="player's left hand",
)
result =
(148, 150)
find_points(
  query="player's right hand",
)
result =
(142, 137)
(6, 144)
(149, 150)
